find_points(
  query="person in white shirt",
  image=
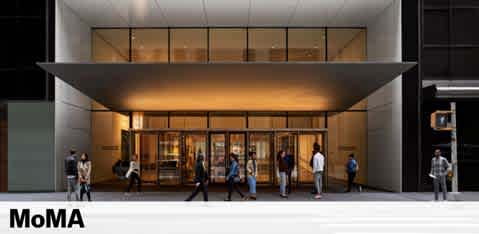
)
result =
(318, 168)
(134, 174)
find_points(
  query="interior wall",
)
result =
(31, 165)
(347, 134)
(72, 108)
(384, 131)
(106, 143)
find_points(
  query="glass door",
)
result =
(148, 152)
(286, 141)
(169, 170)
(237, 145)
(305, 149)
(261, 144)
(218, 157)
(195, 145)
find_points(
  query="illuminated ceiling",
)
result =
(228, 86)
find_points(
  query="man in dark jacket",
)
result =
(71, 173)
(201, 180)
(290, 160)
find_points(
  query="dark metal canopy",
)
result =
(288, 86)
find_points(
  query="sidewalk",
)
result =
(219, 196)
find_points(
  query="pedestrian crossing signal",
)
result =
(441, 121)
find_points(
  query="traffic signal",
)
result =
(441, 120)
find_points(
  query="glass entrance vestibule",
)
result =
(167, 157)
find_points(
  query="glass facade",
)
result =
(306, 44)
(188, 45)
(346, 44)
(227, 44)
(110, 45)
(149, 45)
(178, 45)
(267, 45)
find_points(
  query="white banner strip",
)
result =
(240, 217)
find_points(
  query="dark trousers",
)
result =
(202, 187)
(232, 185)
(351, 176)
(134, 177)
(290, 179)
(83, 190)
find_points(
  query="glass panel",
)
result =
(306, 45)
(305, 150)
(238, 146)
(436, 30)
(266, 122)
(149, 45)
(148, 153)
(194, 145)
(346, 44)
(227, 44)
(110, 45)
(267, 45)
(188, 122)
(218, 158)
(188, 45)
(169, 159)
(300, 122)
(228, 122)
(155, 121)
(261, 144)
(463, 20)
(286, 142)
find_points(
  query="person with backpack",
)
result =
(84, 172)
(200, 180)
(439, 170)
(71, 173)
(351, 168)
(233, 178)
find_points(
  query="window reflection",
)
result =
(228, 44)
(306, 45)
(110, 45)
(267, 45)
(149, 45)
(188, 45)
(346, 44)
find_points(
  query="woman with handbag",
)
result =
(233, 177)
(84, 172)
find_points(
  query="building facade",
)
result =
(169, 81)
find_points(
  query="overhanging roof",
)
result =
(304, 86)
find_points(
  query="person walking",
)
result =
(134, 174)
(290, 160)
(84, 172)
(352, 168)
(233, 177)
(311, 160)
(200, 180)
(283, 169)
(252, 169)
(439, 170)
(71, 173)
(318, 168)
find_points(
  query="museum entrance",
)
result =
(167, 157)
